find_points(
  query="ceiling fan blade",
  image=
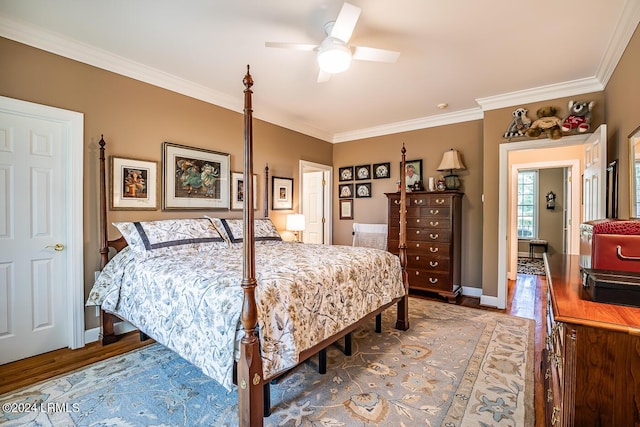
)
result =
(323, 76)
(346, 22)
(372, 54)
(294, 46)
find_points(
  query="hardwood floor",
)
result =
(526, 297)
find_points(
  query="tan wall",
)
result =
(495, 123)
(135, 119)
(623, 114)
(428, 145)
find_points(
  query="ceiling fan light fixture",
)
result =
(334, 56)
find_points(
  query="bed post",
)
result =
(402, 321)
(266, 191)
(250, 380)
(107, 334)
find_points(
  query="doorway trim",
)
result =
(503, 202)
(327, 172)
(73, 134)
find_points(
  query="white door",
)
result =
(594, 175)
(34, 281)
(313, 207)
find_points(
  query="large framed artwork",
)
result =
(194, 178)
(281, 193)
(134, 184)
(237, 191)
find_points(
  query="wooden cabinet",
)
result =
(433, 239)
(591, 358)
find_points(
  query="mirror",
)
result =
(634, 173)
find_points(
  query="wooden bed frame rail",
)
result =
(252, 387)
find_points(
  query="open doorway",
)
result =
(315, 202)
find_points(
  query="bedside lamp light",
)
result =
(451, 162)
(295, 223)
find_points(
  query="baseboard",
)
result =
(470, 291)
(489, 301)
(92, 335)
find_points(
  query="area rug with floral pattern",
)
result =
(455, 366)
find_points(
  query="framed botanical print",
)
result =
(134, 184)
(281, 193)
(345, 173)
(362, 172)
(237, 191)
(382, 170)
(194, 178)
(346, 209)
(363, 190)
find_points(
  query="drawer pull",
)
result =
(417, 258)
(434, 223)
(433, 236)
(433, 280)
(418, 220)
(418, 201)
(625, 257)
(433, 250)
(397, 202)
(417, 231)
(417, 273)
(434, 211)
(440, 201)
(433, 263)
(417, 245)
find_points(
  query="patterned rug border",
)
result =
(453, 416)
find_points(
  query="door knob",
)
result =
(57, 247)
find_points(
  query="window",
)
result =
(527, 204)
(637, 168)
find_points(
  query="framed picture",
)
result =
(237, 191)
(363, 190)
(346, 209)
(413, 172)
(381, 170)
(194, 178)
(346, 173)
(345, 191)
(134, 184)
(362, 172)
(281, 193)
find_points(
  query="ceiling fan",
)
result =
(334, 53)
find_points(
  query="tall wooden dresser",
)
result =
(591, 360)
(433, 239)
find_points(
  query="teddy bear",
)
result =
(547, 122)
(579, 116)
(519, 124)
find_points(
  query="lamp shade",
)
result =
(295, 222)
(451, 161)
(334, 56)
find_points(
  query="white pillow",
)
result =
(165, 236)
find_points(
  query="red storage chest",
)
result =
(610, 244)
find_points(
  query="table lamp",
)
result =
(451, 162)
(295, 223)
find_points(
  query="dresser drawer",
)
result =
(439, 201)
(429, 222)
(428, 234)
(428, 263)
(435, 211)
(429, 280)
(422, 248)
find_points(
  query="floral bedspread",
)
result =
(191, 301)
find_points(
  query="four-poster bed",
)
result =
(183, 291)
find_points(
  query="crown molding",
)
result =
(620, 38)
(409, 125)
(542, 93)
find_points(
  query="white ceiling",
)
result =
(472, 55)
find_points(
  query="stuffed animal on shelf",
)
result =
(579, 116)
(519, 124)
(547, 122)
